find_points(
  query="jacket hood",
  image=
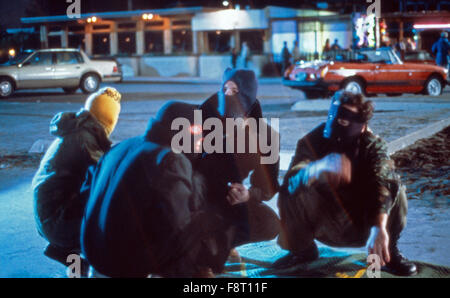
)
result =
(159, 129)
(65, 123)
(247, 84)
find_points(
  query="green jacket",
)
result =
(80, 142)
(374, 183)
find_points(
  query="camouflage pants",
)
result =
(310, 215)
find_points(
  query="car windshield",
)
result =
(384, 55)
(19, 58)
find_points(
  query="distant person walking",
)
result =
(295, 52)
(234, 57)
(335, 45)
(286, 57)
(327, 46)
(441, 49)
(245, 55)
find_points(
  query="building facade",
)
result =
(194, 41)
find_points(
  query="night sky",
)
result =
(10, 14)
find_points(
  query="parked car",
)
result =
(68, 69)
(367, 71)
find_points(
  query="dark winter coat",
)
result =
(374, 184)
(441, 49)
(145, 214)
(58, 206)
(222, 168)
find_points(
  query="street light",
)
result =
(12, 53)
(92, 20)
(225, 3)
(148, 16)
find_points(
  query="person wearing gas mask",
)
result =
(341, 189)
(243, 207)
(147, 213)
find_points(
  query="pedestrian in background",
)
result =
(234, 57)
(327, 47)
(295, 52)
(441, 49)
(245, 55)
(335, 45)
(285, 58)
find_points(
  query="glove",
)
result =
(334, 169)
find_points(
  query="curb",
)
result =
(394, 146)
(410, 139)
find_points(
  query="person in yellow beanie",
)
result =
(81, 139)
(105, 107)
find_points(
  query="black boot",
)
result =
(291, 259)
(399, 265)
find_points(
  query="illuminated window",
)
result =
(101, 45)
(127, 43)
(154, 42)
(182, 41)
(219, 41)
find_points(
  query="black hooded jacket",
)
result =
(220, 169)
(145, 210)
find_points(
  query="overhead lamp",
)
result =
(431, 26)
(147, 16)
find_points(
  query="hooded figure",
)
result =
(146, 211)
(81, 139)
(441, 49)
(254, 220)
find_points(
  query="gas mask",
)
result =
(343, 126)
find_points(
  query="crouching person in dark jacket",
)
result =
(146, 213)
(341, 188)
(82, 138)
(244, 207)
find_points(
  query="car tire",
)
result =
(354, 86)
(70, 90)
(433, 86)
(6, 87)
(90, 83)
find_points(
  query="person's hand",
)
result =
(378, 243)
(338, 170)
(238, 194)
(333, 169)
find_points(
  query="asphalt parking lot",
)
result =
(24, 123)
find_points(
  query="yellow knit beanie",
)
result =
(104, 105)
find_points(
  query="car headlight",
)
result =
(312, 76)
(324, 72)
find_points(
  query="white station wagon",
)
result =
(69, 69)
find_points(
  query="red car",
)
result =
(367, 71)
